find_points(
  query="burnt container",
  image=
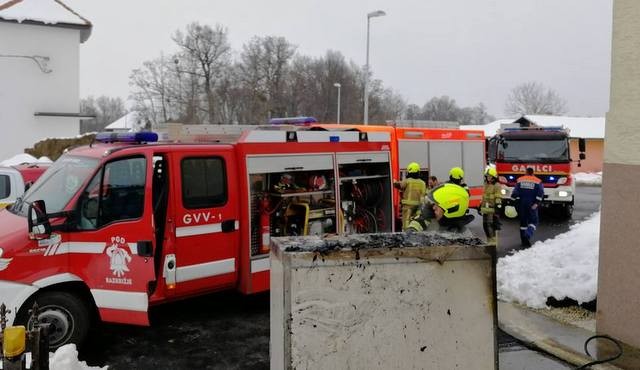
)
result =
(383, 301)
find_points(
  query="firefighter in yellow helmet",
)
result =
(413, 191)
(450, 205)
(456, 176)
(491, 205)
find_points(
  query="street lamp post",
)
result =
(377, 13)
(338, 110)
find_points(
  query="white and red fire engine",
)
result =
(116, 227)
(545, 149)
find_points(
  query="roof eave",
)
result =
(85, 29)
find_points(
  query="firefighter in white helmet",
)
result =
(413, 191)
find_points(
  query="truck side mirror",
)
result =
(39, 225)
(582, 145)
(582, 156)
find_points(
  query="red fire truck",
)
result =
(116, 227)
(545, 149)
(437, 150)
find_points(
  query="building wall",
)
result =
(618, 272)
(25, 89)
(594, 152)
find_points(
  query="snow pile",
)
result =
(24, 158)
(565, 266)
(66, 358)
(45, 11)
(584, 178)
(19, 159)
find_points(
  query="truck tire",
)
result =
(67, 314)
(567, 210)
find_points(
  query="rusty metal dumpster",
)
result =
(383, 301)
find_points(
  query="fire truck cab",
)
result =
(545, 149)
(114, 228)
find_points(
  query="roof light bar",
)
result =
(292, 121)
(127, 137)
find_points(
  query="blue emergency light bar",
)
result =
(292, 121)
(127, 137)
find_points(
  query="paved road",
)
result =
(586, 203)
(230, 331)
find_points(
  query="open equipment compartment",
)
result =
(291, 195)
(365, 192)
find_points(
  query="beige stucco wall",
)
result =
(618, 272)
(595, 156)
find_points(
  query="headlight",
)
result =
(561, 181)
(563, 194)
(503, 192)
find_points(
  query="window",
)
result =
(115, 193)
(5, 186)
(204, 182)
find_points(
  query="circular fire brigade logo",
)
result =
(119, 257)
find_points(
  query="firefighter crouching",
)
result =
(456, 176)
(445, 210)
(491, 205)
(413, 191)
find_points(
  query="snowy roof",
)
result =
(47, 12)
(582, 127)
(130, 121)
(23, 158)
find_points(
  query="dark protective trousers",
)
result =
(528, 223)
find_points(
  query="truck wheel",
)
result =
(67, 315)
(567, 210)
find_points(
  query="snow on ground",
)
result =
(66, 358)
(565, 266)
(584, 178)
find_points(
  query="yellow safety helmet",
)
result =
(452, 198)
(491, 171)
(413, 167)
(510, 211)
(456, 173)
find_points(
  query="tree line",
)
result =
(206, 81)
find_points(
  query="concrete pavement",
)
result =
(561, 340)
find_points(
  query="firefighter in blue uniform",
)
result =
(528, 194)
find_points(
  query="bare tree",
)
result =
(264, 66)
(441, 109)
(210, 48)
(151, 89)
(106, 109)
(534, 98)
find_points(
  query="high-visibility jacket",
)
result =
(528, 190)
(413, 191)
(491, 197)
(452, 198)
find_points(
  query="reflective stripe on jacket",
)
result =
(529, 190)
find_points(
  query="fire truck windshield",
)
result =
(58, 184)
(534, 151)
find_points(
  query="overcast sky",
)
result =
(472, 50)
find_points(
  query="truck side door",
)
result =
(206, 220)
(112, 248)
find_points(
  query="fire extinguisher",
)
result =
(265, 226)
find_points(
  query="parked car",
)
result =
(15, 180)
